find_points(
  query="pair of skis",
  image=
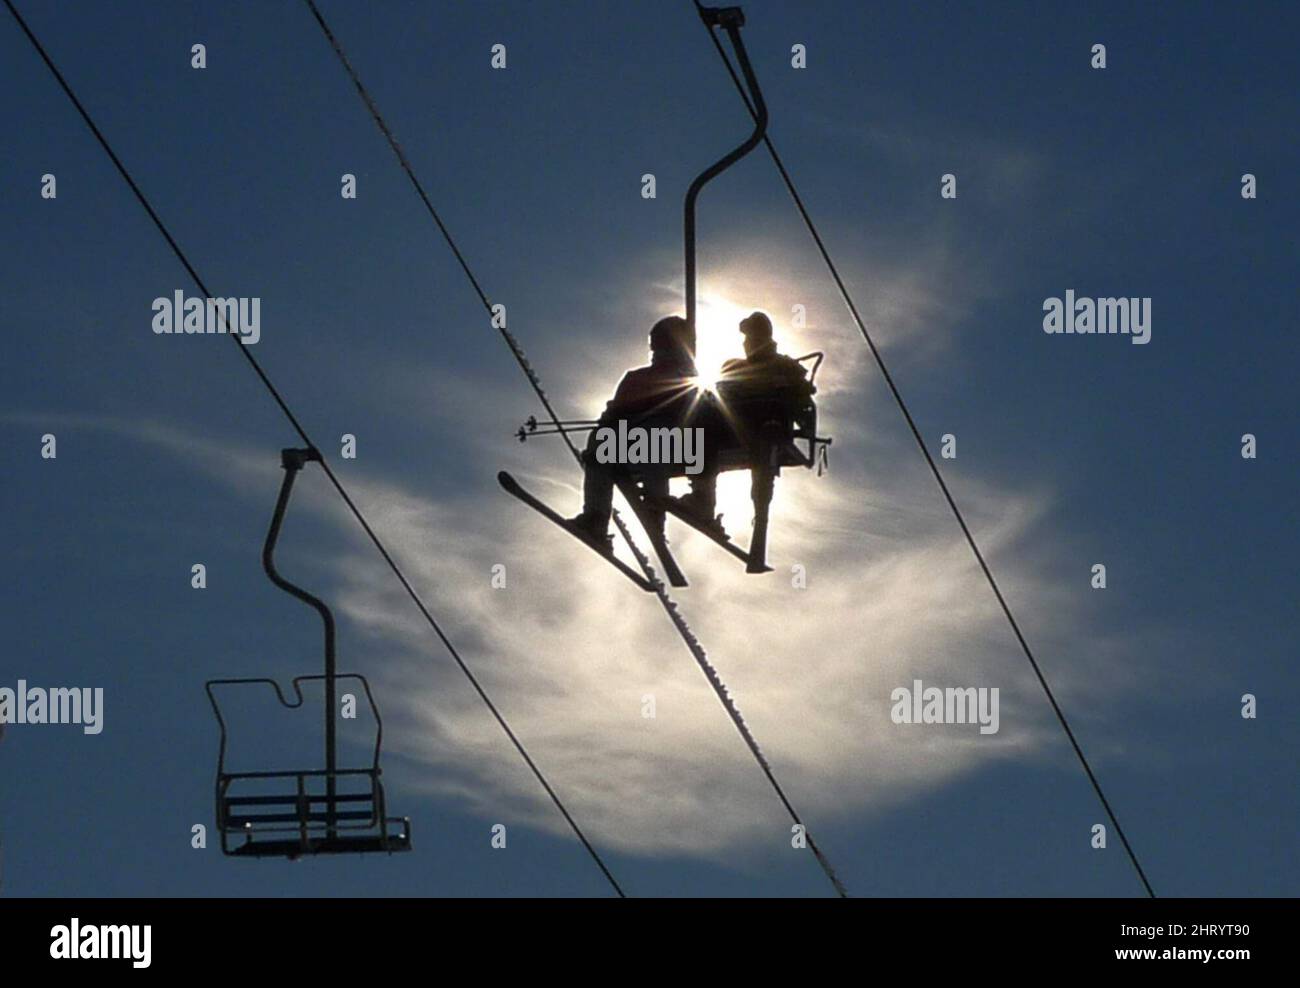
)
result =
(654, 530)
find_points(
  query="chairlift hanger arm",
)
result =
(293, 460)
(730, 19)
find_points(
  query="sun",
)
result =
(717, 338)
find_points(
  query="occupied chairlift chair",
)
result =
(761, 431)
(328, 810)
(766, 429)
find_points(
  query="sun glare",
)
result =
(717, 340)
(717, 337)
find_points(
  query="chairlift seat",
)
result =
(769, 422)
(265, 821)
(309, 811)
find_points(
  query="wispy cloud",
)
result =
(572, 654)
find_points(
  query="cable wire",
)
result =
(693, 644)
(302, 433)
(934, 469)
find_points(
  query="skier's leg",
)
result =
(703, 498)
(702, 501)
(654, 485)
(597, 493)
(762, 487)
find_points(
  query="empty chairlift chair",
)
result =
(317, 810)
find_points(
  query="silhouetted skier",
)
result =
(663, 393)
(763, 372)
(761, 394)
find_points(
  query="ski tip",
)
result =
(505, 480)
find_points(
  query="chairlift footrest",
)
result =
(288, 847)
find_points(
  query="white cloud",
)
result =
(569, 649)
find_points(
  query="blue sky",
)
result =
(1071, 450)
